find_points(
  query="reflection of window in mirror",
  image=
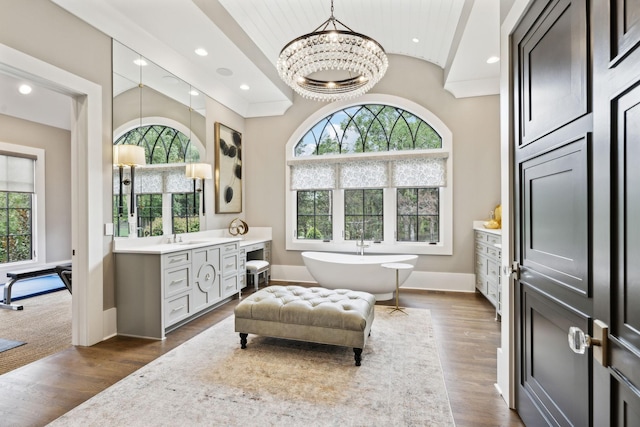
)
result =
(156, 110)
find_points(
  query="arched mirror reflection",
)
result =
(163, 117)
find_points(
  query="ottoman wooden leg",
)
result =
(357, 355)
(243, 340)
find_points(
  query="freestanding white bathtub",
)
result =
(357, 272)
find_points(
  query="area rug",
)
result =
(210, 381)
(45, 325)
(9, 344)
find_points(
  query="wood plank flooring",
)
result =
(464, 327)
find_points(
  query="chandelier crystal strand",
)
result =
(361, 57)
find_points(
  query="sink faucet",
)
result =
(360, 244)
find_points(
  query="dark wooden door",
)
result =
(577, 211)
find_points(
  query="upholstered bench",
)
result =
(255, 268)
(326, 316)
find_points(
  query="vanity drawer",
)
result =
(177, 309)
(229, 264)
(176, 280)
(493, 270)
(229, 286)
(176, 259)
(230, 248)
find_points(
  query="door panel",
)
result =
(556, 227)
(553, 70)
(626, 27)
(548, 361)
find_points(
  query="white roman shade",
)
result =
(157, 179)
(313, 176)
(364, 174)
(17, 174)
(424, 172)
(378, 171)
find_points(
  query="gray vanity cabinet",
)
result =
(156, 293)
(488, 253)
(206, 276)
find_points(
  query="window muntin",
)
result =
(418, 215)
(121, 224)
(368, 128)
(185, 213)
(16, 226)
(162, 144)
(149, 207)
(364, 214)
(314, 219)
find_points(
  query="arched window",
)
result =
(375, 173)
(161, 183)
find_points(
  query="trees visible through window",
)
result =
(163, 145)
(386, 170)
(363, 214)
(149, 215)
(418, 215)
(16, 226)
(314, 215)
(368, 128)
(185, 211)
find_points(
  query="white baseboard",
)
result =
(109, 323)
(429, 280)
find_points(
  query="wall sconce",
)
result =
(197, 171)
(132, 156)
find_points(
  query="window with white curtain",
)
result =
(385, 170)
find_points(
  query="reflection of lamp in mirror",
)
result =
(201, 171)
(132, 156)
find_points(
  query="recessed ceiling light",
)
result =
(415, 40)
(25, 89)
(140, 62)
(493, 59)
(244, 87)
(193, 92)
(201, 52)
(224, 72)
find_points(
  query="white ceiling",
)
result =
(245, 36)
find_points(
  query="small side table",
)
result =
(397, 266)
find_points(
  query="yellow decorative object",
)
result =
(492, 223)
(497, 214)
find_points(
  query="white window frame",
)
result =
(388, 245)
(38, 231)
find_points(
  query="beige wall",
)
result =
(45, 31)
(476, 150)
(57, 145)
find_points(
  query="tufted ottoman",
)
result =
(326, 316)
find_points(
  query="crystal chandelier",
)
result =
(329, 64)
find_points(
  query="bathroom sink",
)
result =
(193, 242)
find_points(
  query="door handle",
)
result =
(579, 341)
(513, 270)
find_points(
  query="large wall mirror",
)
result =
(159, 133)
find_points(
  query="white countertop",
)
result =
(165, 248)
(478, 225)
(159, 245)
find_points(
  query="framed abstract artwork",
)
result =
(228, 172)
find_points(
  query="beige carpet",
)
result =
(44, 324)
(210, 381)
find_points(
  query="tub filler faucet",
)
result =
(361, 244)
